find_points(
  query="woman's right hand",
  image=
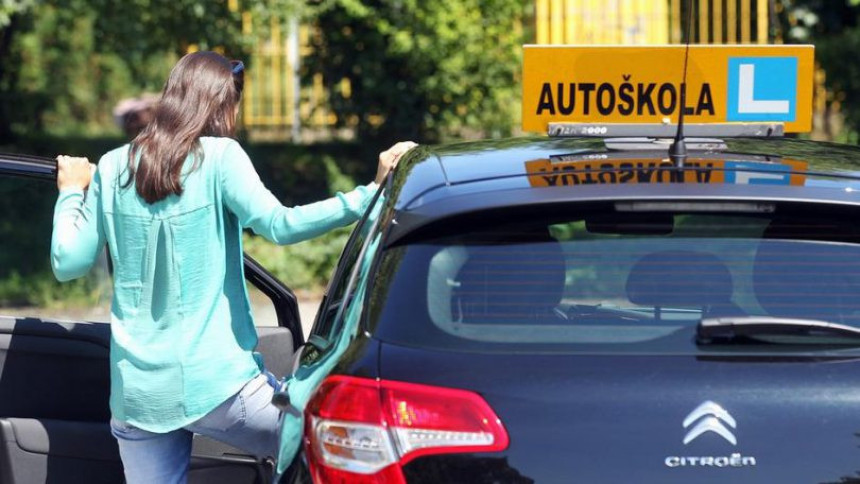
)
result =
(388, 159)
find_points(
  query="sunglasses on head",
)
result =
(237, 66)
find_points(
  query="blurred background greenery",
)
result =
(332, 82)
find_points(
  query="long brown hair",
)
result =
(199, 99)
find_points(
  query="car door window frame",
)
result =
(283, 298)
(331, 311)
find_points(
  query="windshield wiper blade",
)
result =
(710, 329)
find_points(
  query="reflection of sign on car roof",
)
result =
(642, 85)
(573, 171)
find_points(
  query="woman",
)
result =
(171, 207)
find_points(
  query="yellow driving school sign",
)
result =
(594, 170)
(725, 84)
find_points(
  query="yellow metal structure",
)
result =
(601, 22)
(650, 22)
(274, 99)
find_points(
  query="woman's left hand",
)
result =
(388, 159)
(74, 172)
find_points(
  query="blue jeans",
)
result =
(247, 420)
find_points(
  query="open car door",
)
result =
(54, 349)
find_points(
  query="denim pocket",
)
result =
(257, 395)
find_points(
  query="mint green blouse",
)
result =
(182, 332)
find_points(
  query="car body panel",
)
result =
(467, 162)
(448, 202)
(453, 173)
(473, 161)
(612, 418)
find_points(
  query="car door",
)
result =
(333, 328)
(54, 347)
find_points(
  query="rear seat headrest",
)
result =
(512, 280)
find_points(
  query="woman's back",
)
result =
(180, 311)
(183, 335)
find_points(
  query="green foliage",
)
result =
(25, 241)
(66, 64)
(63, 77)
(843, 76)
(8, 8)
(303, 174)
(834, 28)
(65, 83)
(306, 265)
(43, 291)
(140, 28)
(421, 70)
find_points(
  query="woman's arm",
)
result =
(78, 234)
(256, 207)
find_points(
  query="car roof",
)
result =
(478, 163)
(439, 181)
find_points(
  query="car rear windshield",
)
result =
(628, 282)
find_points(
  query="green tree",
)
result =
(64, 63)
(418, 69)
(63, 81)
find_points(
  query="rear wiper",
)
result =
(710, 329)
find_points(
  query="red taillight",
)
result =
(363, 431)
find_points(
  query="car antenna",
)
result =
(678, 149)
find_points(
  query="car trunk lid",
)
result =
(601, 418)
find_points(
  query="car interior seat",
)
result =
(683, 280)
(511, 283)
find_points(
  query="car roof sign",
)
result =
(725, 130)
(604, 85)
(618, 169)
